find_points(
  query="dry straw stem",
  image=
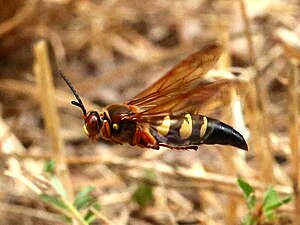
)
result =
(28, 89)
(9, 143)
(196, 179)
(20, 17)
(291, 45)
(26, 155)
(70, 210)
(294, 132)
(139, 48)
(224, 63)
(162, 200)
(43, 74)
(290, 42)
(102, 217)
(41, 214)
(215, 179)
(255, 110)
(25, 181)
(194, 176)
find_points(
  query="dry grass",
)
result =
(111, 50)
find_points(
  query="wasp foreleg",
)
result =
(106, 134)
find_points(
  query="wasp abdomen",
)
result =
(189, 129)
(224, 134)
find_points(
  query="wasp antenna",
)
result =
(79, 103)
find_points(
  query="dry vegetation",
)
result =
(112, 49)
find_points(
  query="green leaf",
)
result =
(58, 186)
(97, 206)
(56, 202)
(249, 220)
(53, 200)
(143, 195)
(149, 174)
(49, 166)
(67, 219)
(251, 201)
(270, 196)
(246, 188)
(248, 192)
(90, 216)
(83, 198)
(273, 202)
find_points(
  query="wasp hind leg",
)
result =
(194, 147)
(144, 139)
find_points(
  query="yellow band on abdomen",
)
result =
(203, 127)
(186, 127)
(164, 128)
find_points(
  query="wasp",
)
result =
(168, 113)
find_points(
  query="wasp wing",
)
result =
(180, 80)
(200, 100)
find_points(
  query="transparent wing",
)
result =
(180, 80)
(200, 100)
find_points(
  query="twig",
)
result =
(291, 45)
(20, 17)
(258, 125)
(29, 89)
(69, 211)
(102, 217)
(211, 178)
(18, 209)
(224, 63)
(9, 143)
(43, 74)
(180, 172)
(294, 132)
(25, 181)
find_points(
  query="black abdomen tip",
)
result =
(224, 134)
(240, 141)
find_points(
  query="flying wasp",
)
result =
(167, 113)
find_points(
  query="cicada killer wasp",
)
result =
(167, 113)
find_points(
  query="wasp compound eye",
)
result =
(92, 124)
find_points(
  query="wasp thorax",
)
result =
(93, 124)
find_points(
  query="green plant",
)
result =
(83, 207)
(143, 195)
(263, 211)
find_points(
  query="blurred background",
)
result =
(113, 49)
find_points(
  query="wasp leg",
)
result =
(194, 147)
(105, 130)
(144, 139)
(106, 134)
